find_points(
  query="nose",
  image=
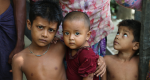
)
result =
(71, 37)
(45, 33)
(117, 36)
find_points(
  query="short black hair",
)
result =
(46, 9)
(77, 15)
(133, 25)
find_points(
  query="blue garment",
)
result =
(8, 40)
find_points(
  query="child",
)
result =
(124, 65)
(81, 60)
(100, 19)
(42, 60)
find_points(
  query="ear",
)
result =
(136, 46)
(28, 24)
(88, 35)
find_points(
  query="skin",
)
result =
(76, 35)
(47, 67)
(124, 65)
(101, 69)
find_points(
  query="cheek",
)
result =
(65, 39)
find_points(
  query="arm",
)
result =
(89, 77)
(20, 21)
(16, 67)
(101, 68)
(104, 77)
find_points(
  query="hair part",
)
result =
(135, 26)
(77, 15)
(46, 9)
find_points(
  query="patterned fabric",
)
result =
(100, 47)
(8, 38)
(98, 12)
(134, 4)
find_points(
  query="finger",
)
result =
(101, 66)
(9, 61)
(56, 38)
(100, 69)
(10, 70)
(97, 71)
(55, 42)
(101, 73)
(100, 60)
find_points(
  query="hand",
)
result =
(55, 40)
(17, 49)
(10, 70)
(11, 64)
(101, 68)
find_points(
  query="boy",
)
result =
(124, 65)
(42, 60)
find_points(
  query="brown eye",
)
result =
(40, 27)
(66, 33)
(77, 33)
(51, 30)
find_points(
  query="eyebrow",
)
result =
(45, 26)
(126, 31)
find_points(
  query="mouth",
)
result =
(115, 42)
(43, 40)
(71, 43)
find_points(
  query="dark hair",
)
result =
(135, 26)
(77, 15)
(46, 9)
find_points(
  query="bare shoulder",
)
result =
(59, 47)
(136, 58)
(19, 58)
(109, 57)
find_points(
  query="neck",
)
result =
(74, 51)
(125, 56)
(85, 44)
(38, 49)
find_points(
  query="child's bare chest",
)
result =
(123, 71)
(43, 68)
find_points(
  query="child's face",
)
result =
(42, 31)
(75, 33)
(124, 39)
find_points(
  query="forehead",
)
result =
(125, 29)
(42, 21)
(74, 24)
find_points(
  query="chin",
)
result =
(72, 48)
(116, 48)
(42, 44)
